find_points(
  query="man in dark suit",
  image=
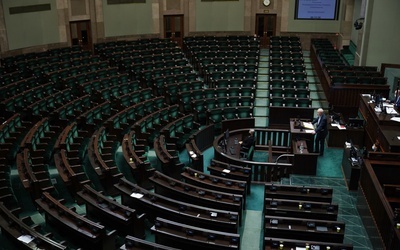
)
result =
(248, 141)
(396, 100)
(321, 131)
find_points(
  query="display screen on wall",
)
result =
(317, 9)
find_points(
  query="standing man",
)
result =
(321, 131)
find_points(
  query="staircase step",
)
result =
(264, 59)
(262, 78)
(262, 85)
(261, 102)
(260, 111)
(314, 95)
(264, 52)
(262, 93)
(307, 60)
(263, 71)
(261, 122)
(312, 79)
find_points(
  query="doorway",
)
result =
(81, 34)
(173, 28)
(265, 28)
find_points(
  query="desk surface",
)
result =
(379, 126)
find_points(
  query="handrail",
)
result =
(261, 171)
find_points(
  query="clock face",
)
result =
(266, 2)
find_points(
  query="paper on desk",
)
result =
(341, 127)
(308, 125)
(26, 238)
(334, 124)
(137, 195)
(391, 111)
(395, 119)
(226, 171)
(390, 105)
(309, 131)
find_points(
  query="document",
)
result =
(395, 119)
(26, 238)
(391, 111)
(137, 195)
(308, 125)
(226, 171)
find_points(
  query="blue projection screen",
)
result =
(316, 9)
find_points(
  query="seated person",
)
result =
(248, 141)
(396, 99)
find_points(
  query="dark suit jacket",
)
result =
(322, 126)
(396, 102)
(248, 142)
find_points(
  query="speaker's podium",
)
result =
(302, 130)
(304, 161)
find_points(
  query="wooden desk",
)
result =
(14, 227)
(189, 237)
(158, 205)
(379, 127)
(337, 137)
(304, 162)
(198, 178)
(300, 209)
(374, 174)
(112, 213)
(351, 171)
(133, 243)
(176, 189)
(298, 193)
(289, 244)
(300, 229)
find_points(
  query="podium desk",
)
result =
(304, 162)
(301, 134)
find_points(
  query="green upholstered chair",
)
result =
(276, 102)
(302, 93)
(276, 92)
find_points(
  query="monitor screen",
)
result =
(317, 9)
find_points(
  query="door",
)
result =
(265, 27)
(173, 28)
(81, 34)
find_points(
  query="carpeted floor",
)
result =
(330, 165)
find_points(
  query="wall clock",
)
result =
(266, 2)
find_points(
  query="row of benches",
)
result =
(299, 216)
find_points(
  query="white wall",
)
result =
(127, 19)
(33, 28)
(384, 33)
(220, 16)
